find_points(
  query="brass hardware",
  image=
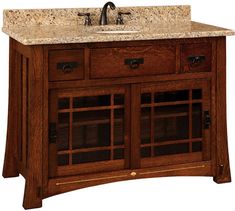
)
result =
(133, 174)
(90, 180)
(221, 169)
(161, 171)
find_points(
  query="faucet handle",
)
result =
(87, 18)
(119, 20)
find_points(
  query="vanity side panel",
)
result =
(222, 169)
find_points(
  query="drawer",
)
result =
(132, 61)
(196, 57)
(66, 65)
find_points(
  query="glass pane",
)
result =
(63, 131)
(145, 125)
(145, 98)
(91, 129)
(171, 96)
(85, 157)
(63, 103)
(118, 127)
(197, 94)
(118, 154)
(92, 101)
(145, 152)
(197, 120)
(119, 99)
(171, 123)
(171, 149)
(63, 160)
(197, 146)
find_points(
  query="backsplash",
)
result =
(63, 17)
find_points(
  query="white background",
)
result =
(173, 193)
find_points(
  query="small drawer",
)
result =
(196, 57)
(132, 61)
(66, 65)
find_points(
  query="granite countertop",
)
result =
(54, 26)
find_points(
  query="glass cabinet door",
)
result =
(172, 123)
(90, 128)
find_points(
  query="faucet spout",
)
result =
(103, 16)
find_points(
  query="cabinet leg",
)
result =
(34, 174)
(10, 168)
(222, 169)
(32, 195)
(222, 173)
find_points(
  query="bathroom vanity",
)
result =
(95, 104)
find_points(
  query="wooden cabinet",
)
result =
(88, 114)
(88, 130)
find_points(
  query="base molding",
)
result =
(65, 184)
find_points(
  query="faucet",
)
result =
(103, 16)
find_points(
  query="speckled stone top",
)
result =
(54, 26)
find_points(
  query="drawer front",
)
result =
(196, 57)
(66, 65)
(132, 61)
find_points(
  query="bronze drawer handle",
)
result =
(134, 63)
(196, 60)
(67, 67)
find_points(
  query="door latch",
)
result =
(207, 120)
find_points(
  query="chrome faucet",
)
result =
(103, 16)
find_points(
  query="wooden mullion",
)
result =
(112, 127)
(135, 123)
(24, 109)
(172, 142)
(91, 149)
(127, 127)
(190, 119)
(152, 115)
(70, 130)
(171, 103)
(98, 108)
(52, 149)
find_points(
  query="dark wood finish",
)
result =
(57, 57)
(61, 185)
(33, 185)
(135, 126)
(110, 62)
(188, 85)
(10, 168)
(35, 85)
(194, 50)
(222, 157)
(72, 169)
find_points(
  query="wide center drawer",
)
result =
(132, 61)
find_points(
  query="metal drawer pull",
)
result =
(67, 67)
(134, 63)
(196, 60)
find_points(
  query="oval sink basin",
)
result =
(117, 32)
